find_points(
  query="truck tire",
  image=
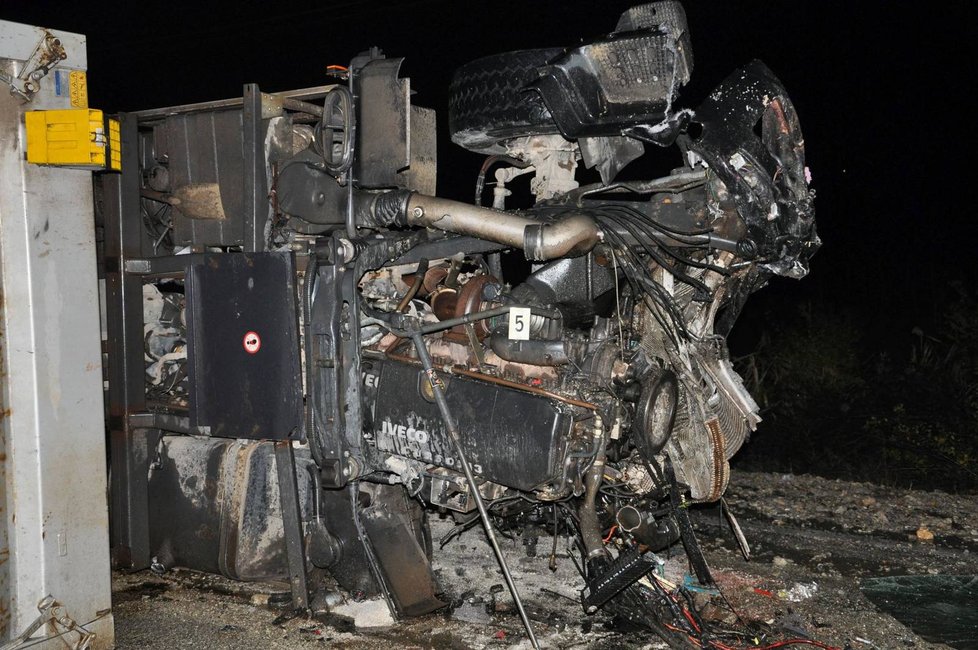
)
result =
(488, 101)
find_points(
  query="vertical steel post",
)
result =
(255, 183)
(130, 447)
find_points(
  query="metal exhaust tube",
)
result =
(569, 236)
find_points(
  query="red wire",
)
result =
(610, 533)
(781, 644)
(720, 646)
(692, 621)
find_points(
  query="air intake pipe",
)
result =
(537, 352)
(568, 236)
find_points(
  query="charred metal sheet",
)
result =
(421, 175)
(205, 150)
(215, 506)
(312, 195)
(355, 570)
(766, 174)
(187, 523)
(383, 141)
(606, 86)
(401, 545)
(609, 155)
(243, 346)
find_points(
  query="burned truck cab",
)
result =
(310, 352)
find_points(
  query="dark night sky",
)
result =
(879, 87)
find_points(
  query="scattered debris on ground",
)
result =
(814, 541)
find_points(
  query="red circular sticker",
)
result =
(251, 342)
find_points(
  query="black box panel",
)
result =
(243, 346)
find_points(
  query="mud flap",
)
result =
(401, 559)
(384, 547)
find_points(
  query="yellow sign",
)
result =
(78, 89)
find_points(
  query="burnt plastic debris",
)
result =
(618, 576)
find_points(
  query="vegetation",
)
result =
(836, 404)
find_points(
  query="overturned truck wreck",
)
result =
(310, 351)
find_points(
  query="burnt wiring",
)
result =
(500, 510)
(158, 225)
(656, 231)
(659, 302)
(668, 610)
(649, 245)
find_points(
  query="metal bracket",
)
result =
(51, 611)
(48, 53)
(288, 492)
(477, 350)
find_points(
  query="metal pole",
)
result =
(446, 414)
(288, 493)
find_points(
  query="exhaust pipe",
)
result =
(569, 236)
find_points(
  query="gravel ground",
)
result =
(812, 541)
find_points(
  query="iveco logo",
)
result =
(411, 434)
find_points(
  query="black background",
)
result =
(880, 88)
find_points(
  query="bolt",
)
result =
(320, 198)
(345, 250)
(418, 212)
